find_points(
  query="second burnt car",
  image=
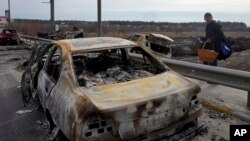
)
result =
(159, 44)
(94, 89)
(60, 34)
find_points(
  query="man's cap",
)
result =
(207, 14)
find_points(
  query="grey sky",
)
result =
(145, 10)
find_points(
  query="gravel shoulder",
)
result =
(219, 123)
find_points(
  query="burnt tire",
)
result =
(50, 120)
(59, 136)
(26, 92)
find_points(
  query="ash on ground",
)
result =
(216, 115)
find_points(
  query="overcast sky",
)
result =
(143, 10)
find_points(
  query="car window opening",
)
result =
(54, 65)
(113, 66)
(159, 48)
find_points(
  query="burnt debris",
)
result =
(113, 66)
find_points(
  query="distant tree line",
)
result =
(31, 27)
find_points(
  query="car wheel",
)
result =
(49, 120)
(60, 137)
(56, 134)
(26, 92)
(8, 42)
(3, 43)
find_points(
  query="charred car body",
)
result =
(159, 44)
(59, 35)
(94, 89)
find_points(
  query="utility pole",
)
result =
(52, 15)
(9, 20)
(99, 15)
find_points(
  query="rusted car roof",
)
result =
(75, 45)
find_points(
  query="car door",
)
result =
(36, 63)
(50, 73)
(30, 75)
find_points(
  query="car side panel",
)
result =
(62, 99)
(45, 85)
(58, 103)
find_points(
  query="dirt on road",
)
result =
(17, 123)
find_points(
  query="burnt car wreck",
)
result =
(159, 44)
(9, 37)
(96, 89)
(59, 35)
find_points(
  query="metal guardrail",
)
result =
(228, 77)
(223, 76)
(34, 40)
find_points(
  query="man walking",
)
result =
(214, 36)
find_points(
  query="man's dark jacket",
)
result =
(214, 32)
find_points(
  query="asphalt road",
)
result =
(15, 127)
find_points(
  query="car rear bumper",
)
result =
(181, 127)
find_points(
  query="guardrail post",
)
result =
(248, 100)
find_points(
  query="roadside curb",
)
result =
(225, 110)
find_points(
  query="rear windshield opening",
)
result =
(113, 66)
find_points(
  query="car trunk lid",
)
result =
(120, 95)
